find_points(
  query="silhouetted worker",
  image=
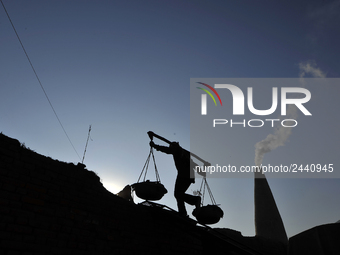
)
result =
(185, 167)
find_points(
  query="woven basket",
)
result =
(149, 190)
(209, 214)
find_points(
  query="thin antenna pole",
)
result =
(86, 144)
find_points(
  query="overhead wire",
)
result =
(36, 75)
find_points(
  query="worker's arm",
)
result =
(164, 149)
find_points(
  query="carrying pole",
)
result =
(152, 135)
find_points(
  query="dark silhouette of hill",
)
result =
(52, 207)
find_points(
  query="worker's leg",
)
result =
(181, 187)
(192, 200)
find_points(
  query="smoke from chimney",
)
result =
(281, 134)
(272, 141)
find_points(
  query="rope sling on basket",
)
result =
(149, 190)
(209, 214)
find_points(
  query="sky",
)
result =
(124, 67)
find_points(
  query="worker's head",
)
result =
(174, 145)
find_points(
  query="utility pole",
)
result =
(86, 144)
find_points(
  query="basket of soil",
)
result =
(149, 190)
(208, 214)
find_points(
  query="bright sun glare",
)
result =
(113, 187)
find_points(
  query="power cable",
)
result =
(36, 75)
